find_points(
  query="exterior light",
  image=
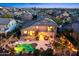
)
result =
(36, 27)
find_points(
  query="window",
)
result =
(50, 28)
(31, 33)
(25, 32)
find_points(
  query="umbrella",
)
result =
(24, 47)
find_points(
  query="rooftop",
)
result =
(4, 21)
(45, 22)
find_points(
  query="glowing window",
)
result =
(31, 33)
(50, 28)
(25, 32)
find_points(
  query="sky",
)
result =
(40, 5)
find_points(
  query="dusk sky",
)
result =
(40, 5)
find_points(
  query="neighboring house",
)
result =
(5, 10)
(27, 16)
(7, 24)
(3, 23)
(17, 13)
(65, 14)
(74, 26)
(11, 26)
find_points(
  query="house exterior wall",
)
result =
(43, 33)
(38, 28)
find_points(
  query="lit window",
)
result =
(25, 32)
(31, 33)
(50, 28)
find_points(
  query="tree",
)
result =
(48, 52)
(18, 33)
(7, 16)
(58, 21)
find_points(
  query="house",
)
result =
(74, 26)
(39, 30)
(65, 14)
(3, 23)
(6, 24)
(27, 16)
(11, 26)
